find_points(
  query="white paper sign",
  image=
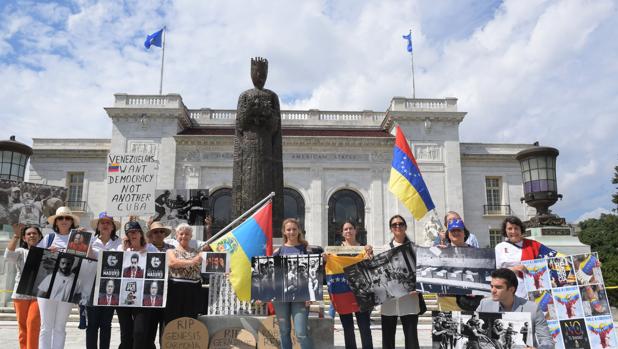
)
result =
(131, 182)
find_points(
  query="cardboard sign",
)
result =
(131, 182)
(185, 332)
(269, 337)
(233, 338)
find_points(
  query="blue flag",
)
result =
(409, 38)
(154, 39)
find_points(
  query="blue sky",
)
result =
(524, 71)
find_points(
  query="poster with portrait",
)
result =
(215, 263)
(29, 203)
(536, 275)
(175, 206)
(223, 301)
(454, 270)
(289, 278)
(390, 274)
(463, 329)
(131, 279)
(575, 301)
(79, 242)
(59, 276)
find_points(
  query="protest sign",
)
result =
(175, 206)
(454, 270)
(131, 182)
(390, 274)
(223, 301)
(214, 262)
(233, 338)
(58, 276)
(131, 279)
(572, 295)
(79, 242)
(29, 203)
(185, 332)
(465, 329)
(344, 250)
(290, 278)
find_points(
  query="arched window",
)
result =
(220, 209)
(293, 206)
(345, 205)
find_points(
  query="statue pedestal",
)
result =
(561, 239)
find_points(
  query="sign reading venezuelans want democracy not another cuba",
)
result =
(131, 182)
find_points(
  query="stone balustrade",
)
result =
(423, 104)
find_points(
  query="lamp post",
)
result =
(14, 156)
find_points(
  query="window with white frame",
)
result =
(75, 183)
(493, 191)
(495, 237)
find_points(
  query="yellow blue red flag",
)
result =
(406, 181)
(253, 237)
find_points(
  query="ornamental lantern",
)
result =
(14, 156)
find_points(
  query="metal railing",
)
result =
(497, 210)
(79, 206)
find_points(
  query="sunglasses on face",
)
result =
(397, 224)
(62, 218)
(158, 232)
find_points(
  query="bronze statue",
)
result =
(258, 168)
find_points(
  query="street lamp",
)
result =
(13, 159)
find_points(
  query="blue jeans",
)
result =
(297, 312)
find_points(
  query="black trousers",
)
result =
(389, 327)
(136, 328)
(364, 327)
(99, 326)
(183, 299)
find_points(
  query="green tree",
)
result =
(602, 236)
(615, 196)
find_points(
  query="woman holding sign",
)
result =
(408, 307)
(55, 314)
(26, 307)
(100, 318)
(184, 290)
(136, 324)
(293, 244)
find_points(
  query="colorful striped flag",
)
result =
(253, 237)
(341, 295)
(406, 181)
(113, 167)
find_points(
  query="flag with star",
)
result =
(406, 181)
(252, 238)
(341, 294)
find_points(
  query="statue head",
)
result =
(259, 71)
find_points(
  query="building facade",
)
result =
(336, 164)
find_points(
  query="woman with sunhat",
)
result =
(55, 314)
(100, 318)
(135, 323)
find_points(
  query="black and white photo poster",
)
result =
(215, 262)
(571, 292)
(223, 301)
(454, 270)
(290, 278)
(29, 203)
(131, 279)
(57, 276)
(461, 330)
(175, 206)
(390, 274)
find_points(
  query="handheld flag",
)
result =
(406, 181)
(253, 237)
(409, 38)
(155, 39)
(341, 294)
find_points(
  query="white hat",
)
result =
(63, 211)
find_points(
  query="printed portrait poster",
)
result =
(575, 334)
(536, 275)
(556, 333)
(561, 272)
(587, 269)
(215, 262)
(176, 206)
(131, 182)
(79, 242)
(594, 300)
(545, 300)
(568, 303)
(83, 291)
(601, 332)
(131, 279)
(266, 282)
(29, 203)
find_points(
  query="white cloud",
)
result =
(596, 213)
(524, 71)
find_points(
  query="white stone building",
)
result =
(336, 163)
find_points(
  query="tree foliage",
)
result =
(602, 236)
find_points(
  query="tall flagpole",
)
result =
(162, 63)
(412, 64)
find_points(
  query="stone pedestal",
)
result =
(561, 239)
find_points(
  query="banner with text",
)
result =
(131, 182)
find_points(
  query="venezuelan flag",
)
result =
(254, 237)
(406, 181)
(341, 295)
(113, 167)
